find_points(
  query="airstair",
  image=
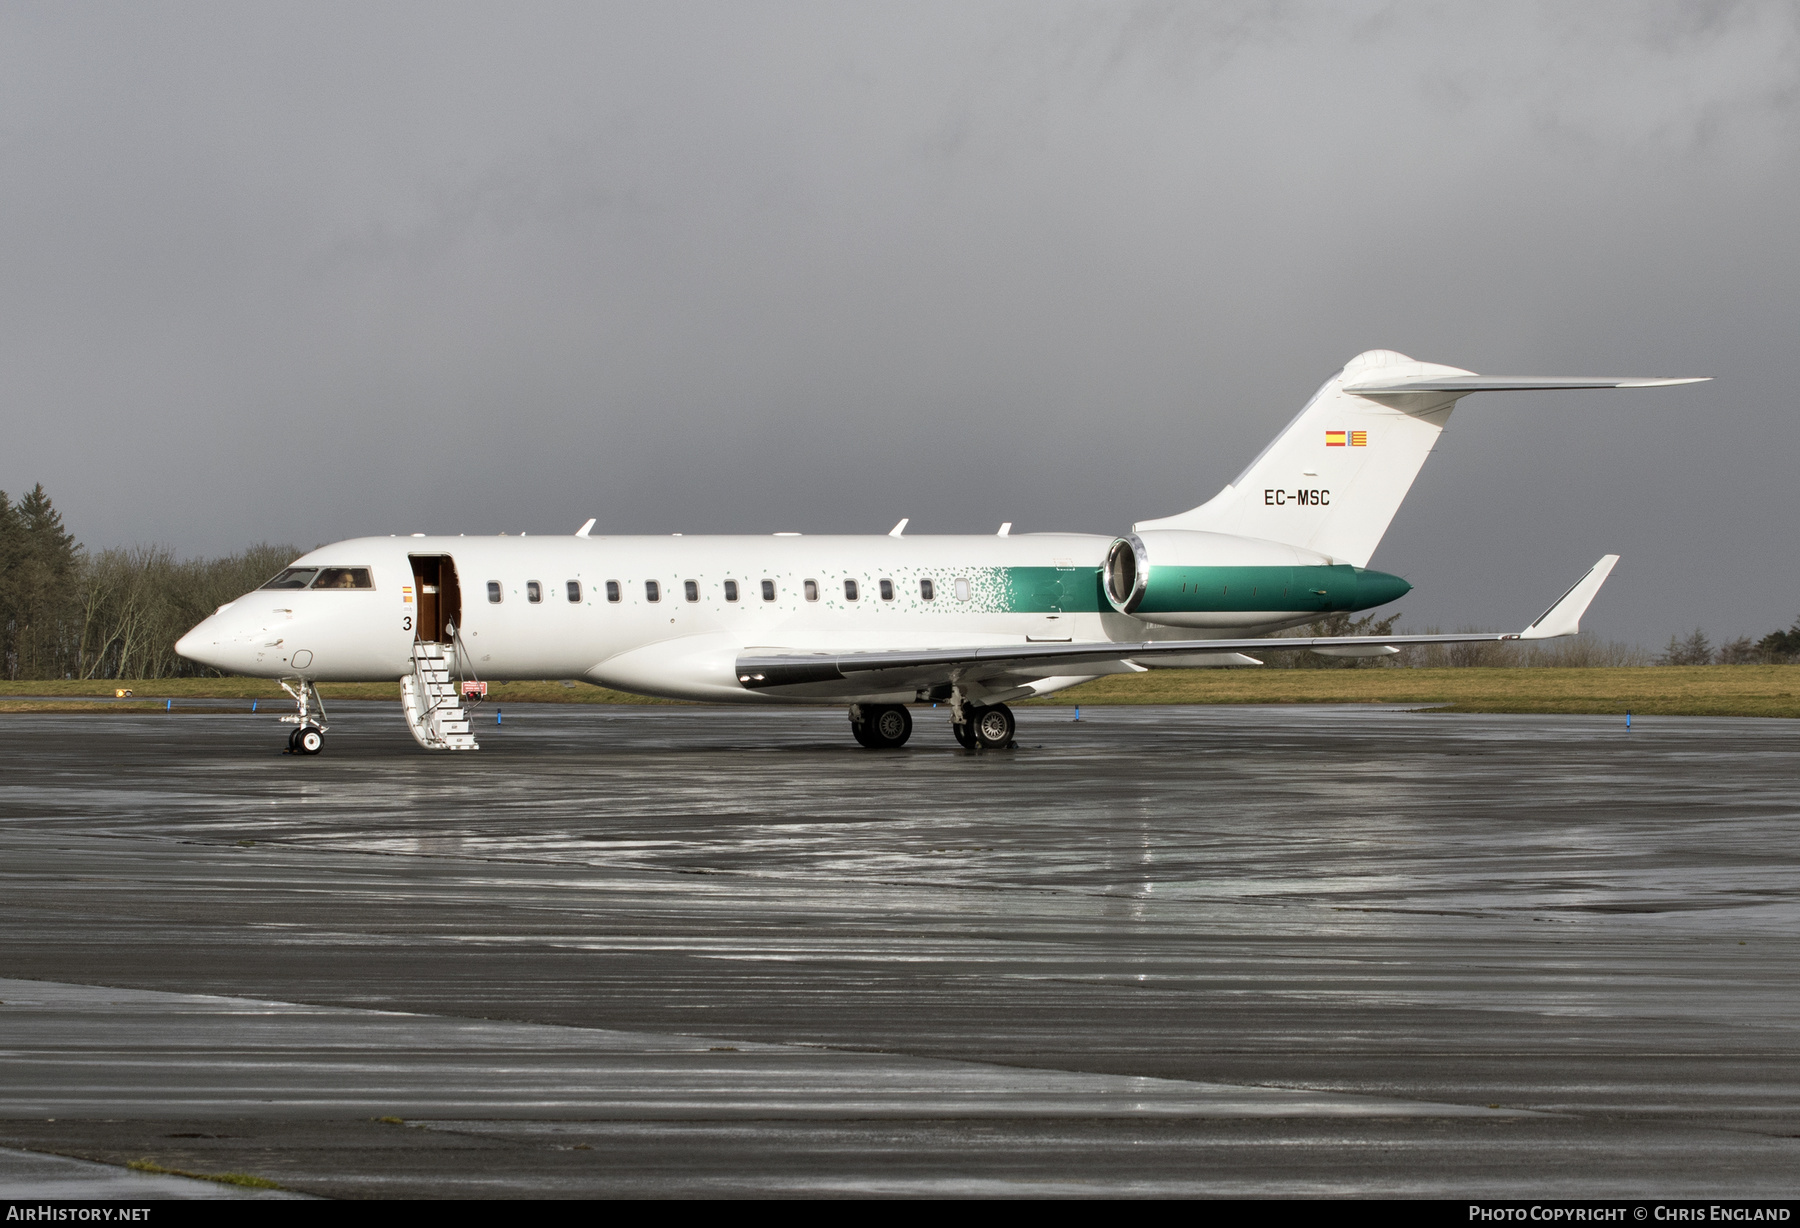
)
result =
(432, 701)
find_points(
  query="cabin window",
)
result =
(534, 592)
(962, 589)
(343, 577)
(652, 591)
(493, 592)
(887, 590)
(691, 589)
(731, 590)
(812, 590)
(926, 591)
(612, 590)
(574, 592)
(849, 590)
(768, 587)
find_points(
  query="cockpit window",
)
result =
(293, 577)
(343, 577)
(323, 577)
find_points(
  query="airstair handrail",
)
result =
(462, 656)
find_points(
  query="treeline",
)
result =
(66, 613)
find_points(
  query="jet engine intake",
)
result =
(1127, 573)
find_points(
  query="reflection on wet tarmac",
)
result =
(1544, 913)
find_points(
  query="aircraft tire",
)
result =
(965, 733)
(293, 741)
(309, 741)
(993, 726)
(860, 731)
(889, 727)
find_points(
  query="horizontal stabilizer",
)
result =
(1564, 618)
(1512, 383)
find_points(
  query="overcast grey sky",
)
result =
(304, 272)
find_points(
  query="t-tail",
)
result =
(1332, 481)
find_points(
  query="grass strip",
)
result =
(244, 1179)
(544, 692)
(1663, 690)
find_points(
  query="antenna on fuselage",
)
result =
(586, 528)
(1005, 530)
(899, 530)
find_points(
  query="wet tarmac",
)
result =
(702, 951)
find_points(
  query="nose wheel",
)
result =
(307, 741)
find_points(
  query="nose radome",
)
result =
(201, 644)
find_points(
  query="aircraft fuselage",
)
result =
(668, 616)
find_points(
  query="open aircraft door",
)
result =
(440, 597)
(432, 694)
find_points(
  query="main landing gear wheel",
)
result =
(993, 726)
(308, 741)
(965, 733)
(883, 726)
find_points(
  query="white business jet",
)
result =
(877, 623)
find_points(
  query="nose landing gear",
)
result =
(309, 738)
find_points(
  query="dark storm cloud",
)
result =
(308, 272)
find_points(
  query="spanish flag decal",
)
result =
(1359, 439)
(1334, 439)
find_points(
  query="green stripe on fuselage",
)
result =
(1302, 590)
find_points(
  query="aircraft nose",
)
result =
(203, 645)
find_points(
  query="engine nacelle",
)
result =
(1191, 578)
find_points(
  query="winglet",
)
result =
(1564, 618)
(585, 529)
(899, 530)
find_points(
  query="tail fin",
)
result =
(1332, 481)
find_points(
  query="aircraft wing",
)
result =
(907, 668)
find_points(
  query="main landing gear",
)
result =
(309, 737)
(984, 728)
(887, 726)
(881, 726)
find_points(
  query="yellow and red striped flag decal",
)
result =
(1359, 439)
(1334, 439)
